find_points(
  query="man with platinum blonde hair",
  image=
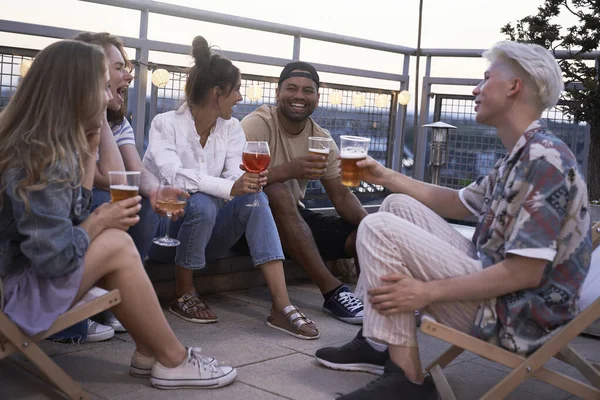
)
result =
(517, 282)
(536, 67)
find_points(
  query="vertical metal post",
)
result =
(153, 100)
(417, 67)
(296, 55)
(400, 123)
(139, 113)
(420, 139)
(587, 139)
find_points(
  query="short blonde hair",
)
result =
(539, 65)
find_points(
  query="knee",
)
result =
(249, 198)
(263, 198)
(280, 197)
(397, 201)
(350, 245)
(371, 225)
(201, 206)
(119, 243)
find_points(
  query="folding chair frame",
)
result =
(523, 367)
(12, 340)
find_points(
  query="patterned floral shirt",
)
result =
(534, 204)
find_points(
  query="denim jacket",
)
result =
(47, 238)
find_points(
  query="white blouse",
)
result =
(175, 155)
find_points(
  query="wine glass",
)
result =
(256, 158)
(171, 199)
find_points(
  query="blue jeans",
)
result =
(142, 233)
(208, 231)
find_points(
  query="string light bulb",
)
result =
(359, 100)
(25, 65)
(381, 100)
(161, 77)
(403, 97)
(254, 92)
(335, 98)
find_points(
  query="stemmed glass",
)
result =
(171, 199)
(256, 158)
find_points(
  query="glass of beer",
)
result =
(170, 199)
(319, 146)
(352, 150)
(123, 184)
(256, 158)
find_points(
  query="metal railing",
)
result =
(395, 125)
(143, 46)
(10, 70)
(375, 119)
(473, 149)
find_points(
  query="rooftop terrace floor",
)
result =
(271, 364)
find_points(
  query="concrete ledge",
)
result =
(224, 275)
(236, 272)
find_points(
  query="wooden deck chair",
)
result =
(523, 367)
(12, 340)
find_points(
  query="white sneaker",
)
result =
(196, 371)
(98, 332)
(141, 365)
(108, 318)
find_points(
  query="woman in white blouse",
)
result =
(200, 147)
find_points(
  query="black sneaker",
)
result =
(357, 355)
(344, 306)
(392, 385)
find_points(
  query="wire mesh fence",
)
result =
(11, 62)
(342, 110)
(473, 149)
(347, 110)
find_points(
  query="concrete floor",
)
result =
(271, 364)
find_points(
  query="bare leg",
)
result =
(184, 281)
(113, 262)
(296, 237)
(275, 278)
(408, 359)
(350, 249)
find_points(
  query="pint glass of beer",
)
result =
(352, 150)
(123, 184)
(319, 146)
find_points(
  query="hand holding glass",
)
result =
(319, 146)
(123, 184)
(256, 158)
(352, 150)
(170, 199)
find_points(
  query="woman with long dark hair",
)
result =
(200, 147)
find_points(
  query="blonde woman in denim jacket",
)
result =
(52, 251)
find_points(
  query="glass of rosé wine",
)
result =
(256, 158)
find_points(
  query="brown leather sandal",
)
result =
(191, 308)
(293, 322)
